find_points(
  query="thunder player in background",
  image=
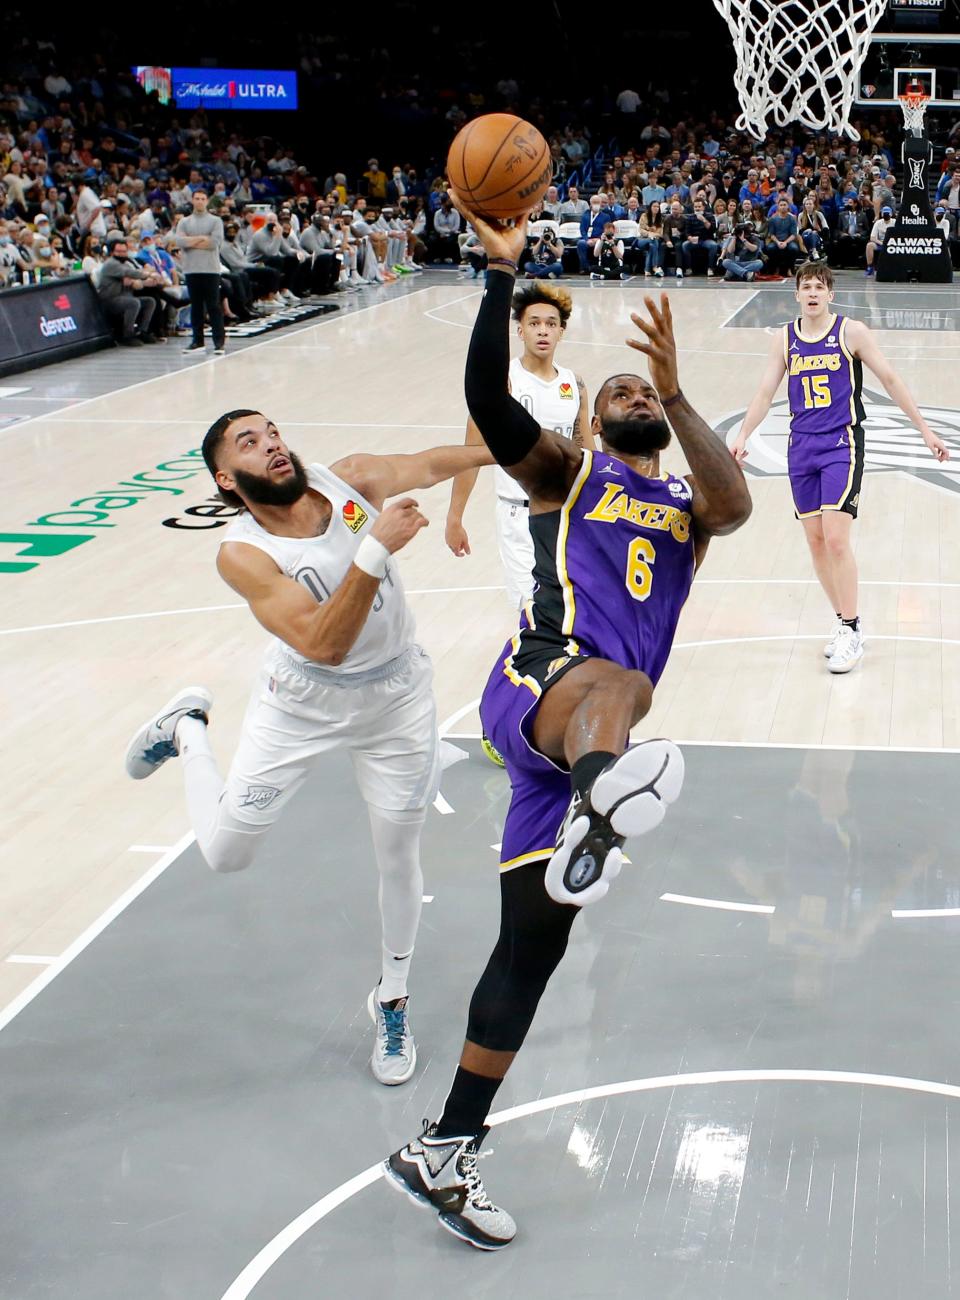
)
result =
(556, 398)
(824, 354)
(313, 556)
(616, 545)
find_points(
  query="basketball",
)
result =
(500, 165)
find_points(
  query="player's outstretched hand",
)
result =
(455, 535)
(738, 449)
(498, 239)
(938, 447)
(658, 345)
(397, 523)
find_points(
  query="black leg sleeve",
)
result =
(533, 938)
(508, 430)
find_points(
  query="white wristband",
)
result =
(372, 557)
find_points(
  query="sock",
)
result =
(393, 981)
(852, 623)
(586, 770)
(468, 1103)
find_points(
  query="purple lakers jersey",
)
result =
(613, 566)
(824, 379)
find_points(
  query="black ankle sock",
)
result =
(469, 1102)
(852, 623)
(586, 770)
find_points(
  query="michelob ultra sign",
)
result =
(226, 88)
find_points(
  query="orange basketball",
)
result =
(500, 165)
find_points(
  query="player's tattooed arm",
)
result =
(721, 502)
(581, 430)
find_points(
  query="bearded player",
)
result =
(313, 556)
(616, 546)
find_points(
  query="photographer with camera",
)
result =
(740, 255)
(545, 256)
(608, 250)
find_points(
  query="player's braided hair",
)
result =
(211, 445)
(529, 295)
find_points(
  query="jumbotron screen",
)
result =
(224, 88)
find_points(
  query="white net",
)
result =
(799, 60)
(914, 107)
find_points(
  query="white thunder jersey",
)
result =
(320, 564)
(553, 403)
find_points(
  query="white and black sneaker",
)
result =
(155, 741)
(394, 1056)
(441, 1172)
(848, 652)
(629, 797)
(831, 645)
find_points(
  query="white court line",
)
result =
(441, 805)
(195, 367)
(428, 898)
(26, 959)
(203, 609)
(737, 310)
(903, 914)
(14, 1008)
(149, 848)
(291, 424)
(807, 636)
(772, 744)
(455, 717)
(265, 1259)
(718, 903)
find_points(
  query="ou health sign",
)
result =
(226, 88)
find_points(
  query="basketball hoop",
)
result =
(799, 60)
(913, 103)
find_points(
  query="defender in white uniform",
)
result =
(556, 397)
(312, 554)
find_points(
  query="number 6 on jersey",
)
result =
(639, 576)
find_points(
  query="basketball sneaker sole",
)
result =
(630, 797)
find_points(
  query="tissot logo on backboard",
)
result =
(891, 440)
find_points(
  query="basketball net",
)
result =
(799, 60)
(913, 102)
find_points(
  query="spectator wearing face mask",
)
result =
(264, 280)
(317, 241)
(92, 257)
(850, 241)
(120, 286)
(12, 264)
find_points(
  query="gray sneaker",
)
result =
(394, 1056)
(155, 741)
(441, 1172)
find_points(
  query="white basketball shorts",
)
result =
(386, 723)
(516, 550)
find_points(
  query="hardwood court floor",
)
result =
(96, 636)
